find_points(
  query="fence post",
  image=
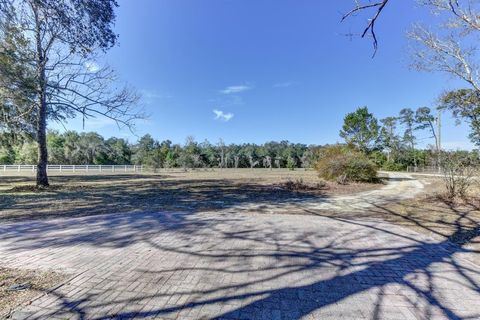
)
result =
(113, 168)
(125, 168)
(86, 168)
(73, 168)
(18, 168)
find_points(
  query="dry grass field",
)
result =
(78, 194)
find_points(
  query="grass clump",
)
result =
(301, 185)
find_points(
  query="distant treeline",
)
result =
(91, 148)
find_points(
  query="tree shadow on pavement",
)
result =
(195, 266)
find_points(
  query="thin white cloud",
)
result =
(148, 94)
(91, 66)
(458, 145)
(98, 123)
(150, 97)
(235, 89)
(222, 116)
(283, 84)
(227, 100)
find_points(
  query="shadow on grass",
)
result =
(140, 194)
(460, 224)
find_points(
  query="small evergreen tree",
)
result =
(360, 129)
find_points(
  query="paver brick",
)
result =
(255, 266)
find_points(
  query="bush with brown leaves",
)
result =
(343, 165)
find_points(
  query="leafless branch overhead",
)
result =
(370, 28)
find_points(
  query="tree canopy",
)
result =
(465, 106)
(54, 46)
(360, 129)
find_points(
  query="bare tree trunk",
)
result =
(439, 140)
(414, 156)
(42, 177)
(236, 161)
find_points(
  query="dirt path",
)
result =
(399, 186)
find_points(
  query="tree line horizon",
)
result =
(390, 143)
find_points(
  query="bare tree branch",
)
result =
(370, 28)
(444, 55)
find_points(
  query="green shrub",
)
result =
(291, 163)
(393, 166)
(378, 158)
(341, 164)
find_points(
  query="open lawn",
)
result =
(78, 194)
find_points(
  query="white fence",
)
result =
(72, 168)
(424, 169)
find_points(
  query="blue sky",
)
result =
(261, 70)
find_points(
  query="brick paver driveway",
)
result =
(224, 266)
(237, 265)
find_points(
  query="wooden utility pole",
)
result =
(439, 139)
(439, 129)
